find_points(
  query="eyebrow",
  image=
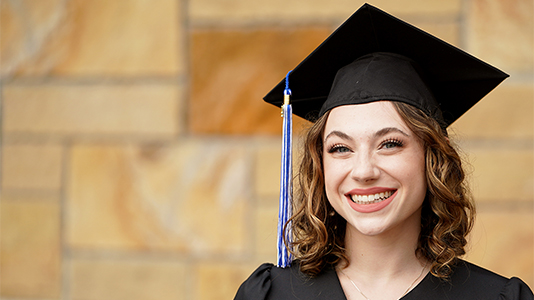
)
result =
(387, 130)
(377, 134)
(340, 134)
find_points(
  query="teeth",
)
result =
(369, 199)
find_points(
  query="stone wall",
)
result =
(139, 162)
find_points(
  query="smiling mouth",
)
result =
(370, 199)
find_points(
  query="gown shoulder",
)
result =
(485, 281)
(271, 282)
(516, 289)
(258, 284)
(470, 281)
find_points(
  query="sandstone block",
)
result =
(189, 197)
(88, 110)
(220, 281)
(233, 69)
(134, 279)
(30, 249)
(95, 38)
(31, 166)
(503, 242)
(295, 10)
(502, 175)
(267, 171)
(266, 221)
(502, 32)
(505, 113)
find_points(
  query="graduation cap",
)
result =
(455, 80)
(374, 56)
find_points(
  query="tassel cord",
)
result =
(285, 207)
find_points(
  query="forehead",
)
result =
(364, 118)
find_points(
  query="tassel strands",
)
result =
(286, 186)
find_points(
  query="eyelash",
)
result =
(395, 142)
(336, 147)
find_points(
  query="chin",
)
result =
(371, 231)
(374, 232)
(368, 229)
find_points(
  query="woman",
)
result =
(382, 209)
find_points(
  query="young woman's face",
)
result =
(374, 168)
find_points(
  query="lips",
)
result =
(370, 200)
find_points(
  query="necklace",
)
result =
(405, 292)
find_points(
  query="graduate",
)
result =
(381, 208)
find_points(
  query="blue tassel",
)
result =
(286, 186)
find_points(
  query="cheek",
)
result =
(420, 167)
(333, 177)
(415, 176)
(334, 172)
(414, 170)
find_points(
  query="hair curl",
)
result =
(447, 212)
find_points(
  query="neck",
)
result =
(384, 255)
(384, 265)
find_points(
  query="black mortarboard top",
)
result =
(389, 60)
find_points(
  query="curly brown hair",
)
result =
(447, 212)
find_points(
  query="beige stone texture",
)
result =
(127, 279)
(502, 32)
(91, 38)
(33, 166)
(267, 171)
(503, 241)
(30, 250)
(266, 220)
(294, 10)
(219, 280)
(233, 69)
(19, 30)
(267, 164)
(116, 186)
(505, 113)
(139, 109)
(169, 198)
(502, 175)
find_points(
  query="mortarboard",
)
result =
(374, 56)
(456, 79)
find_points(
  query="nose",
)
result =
(364, 168)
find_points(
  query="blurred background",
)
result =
(139, 161)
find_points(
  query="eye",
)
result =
(390, 144)
(338, 148)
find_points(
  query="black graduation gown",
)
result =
(468, 281)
